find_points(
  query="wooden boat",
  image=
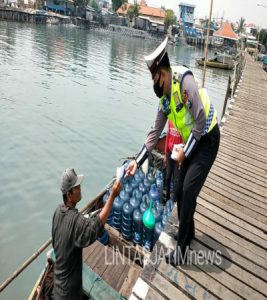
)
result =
(102, 281)
(216, 64)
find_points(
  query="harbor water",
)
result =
(69, 97)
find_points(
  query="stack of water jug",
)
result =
(138, 212)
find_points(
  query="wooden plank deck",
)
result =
(231, 214)
(120, 274)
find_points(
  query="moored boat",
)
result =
(109, 271)
(216, 64)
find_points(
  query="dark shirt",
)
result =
(71, 232)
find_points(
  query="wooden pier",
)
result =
(231, 214)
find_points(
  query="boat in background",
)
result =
(220, 60)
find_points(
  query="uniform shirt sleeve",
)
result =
(152, 137)
(87, 230)
(196, 109)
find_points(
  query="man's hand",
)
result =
(131, 169)
(180, 156)
(116, 188)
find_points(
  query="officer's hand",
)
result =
(131, 169)
(180, 156)
(116, 188)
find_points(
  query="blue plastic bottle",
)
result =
(141, 174)
(146, 199)
(143, 207)
(156, 214)
(153, 193)
(124, 196)
(151, 178)
(157, 231)
(117, 213)
(137, 177)
(148, 227)
(164, 220)
(104, 238)
(134, 184)
(159, 183)
(138, 195)
(127, 221)
(134, 202)
(137, 226)
(147, 184)
(110, 216)
(128, 189)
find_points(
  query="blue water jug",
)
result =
(146, 199)
(143, 207)
(157, 231)
(148, 228)
(137, 226)
(127, 221)
(110, 216)
(141, 174)
(153, 193)
(151, 178)
(147, 184)
(170, 204)
(137, 178)
(134, 184)
(117, 213)
(104, 238)
(159, 183)
(142, 188)
(138, 195)
(134, 202)
(128, 189)
(156, 214)
(160, 208)
(124, 196)
(164, 220)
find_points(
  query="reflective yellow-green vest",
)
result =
(182, 118)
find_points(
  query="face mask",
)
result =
(157, 88)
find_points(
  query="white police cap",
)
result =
(153, 60)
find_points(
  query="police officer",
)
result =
(193, 115)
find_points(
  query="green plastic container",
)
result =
(148, 217)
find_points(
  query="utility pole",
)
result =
(206, 48)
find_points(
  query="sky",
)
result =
(231, 10)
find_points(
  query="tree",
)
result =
(169, 18)
(94, 4)
(133, 12)
(116, 4)
(241, 25)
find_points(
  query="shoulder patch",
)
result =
(189, 104)
(175, 97)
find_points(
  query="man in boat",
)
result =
(71, 232)
(193, 115)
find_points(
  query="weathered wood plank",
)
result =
(242, 163)
(195, 277)
(233, 277)
(259, 253)
(241, 171)
(217, 193)
(243, 182)
(237, 190)
(236, 229)
(234, 215)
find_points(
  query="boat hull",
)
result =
(214, 64)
